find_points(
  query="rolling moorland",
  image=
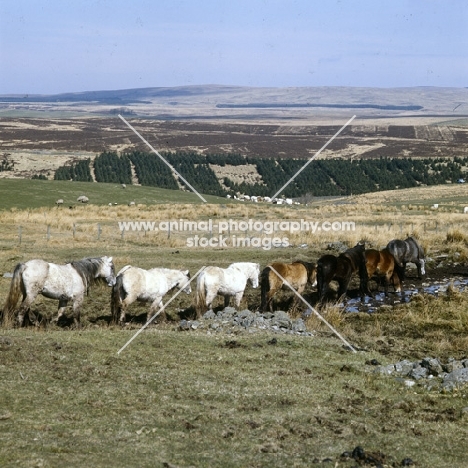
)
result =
(40, 134)
(202, 397)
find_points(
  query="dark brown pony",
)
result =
(381, 263)
(297, 274)
(341, 268)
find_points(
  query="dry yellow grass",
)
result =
(376, 223)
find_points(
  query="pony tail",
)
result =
(400, 271)
(320, 280)
(116, 297)
(265, 287)
(201, 293)
(16, 289)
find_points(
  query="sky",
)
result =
(56, 46)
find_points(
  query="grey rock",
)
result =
(455, 379)
(299, 326)
(281, 319)
(418, 372)
(195, 324)
(404, 367)
(385, 370)
(227, 313)
(260, 322)
(452, 365)
(209, 315)
(8, 275)
(184, 325)
(245, 318)
(432, 365)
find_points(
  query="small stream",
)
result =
(435, 287)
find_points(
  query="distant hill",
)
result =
(272, 130)
(214, 101)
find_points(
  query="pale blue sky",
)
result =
(54, 46)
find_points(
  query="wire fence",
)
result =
(110, 232)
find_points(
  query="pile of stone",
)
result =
(430, 373)
(231, 321)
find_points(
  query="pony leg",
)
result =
(420, 267)
(227, 300)
(403, 272)
(77, 311)
(63, 302)
(238, 298)
(24, 308)
(321, 288)
(343, 284)
(155, 305)
(296, 300)
(269, 304)
(387, 281)
(267, 300)
(121, 312)
(210, 297)
(365, 290)
(124, 303)
(396, 281)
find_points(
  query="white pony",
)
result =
(135, 284)
(227, 282)
(61, 282)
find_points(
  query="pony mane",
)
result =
(87, 268)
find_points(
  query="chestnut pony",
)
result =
(381, 263)
(297, 274)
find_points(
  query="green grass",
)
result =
(185, 399)
(26, 194)
(188, 399)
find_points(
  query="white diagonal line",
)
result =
(160, 157)
(314, 156)
(160, 310)
(313, 310)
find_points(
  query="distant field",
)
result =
(25, 193)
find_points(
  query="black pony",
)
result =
(341, 268)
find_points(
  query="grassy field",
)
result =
(180, 399)
(29, 194)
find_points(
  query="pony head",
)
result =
(254, 275)
(184, 283)
(107, 270)
(312, 275)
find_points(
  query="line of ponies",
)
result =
(70, 282)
